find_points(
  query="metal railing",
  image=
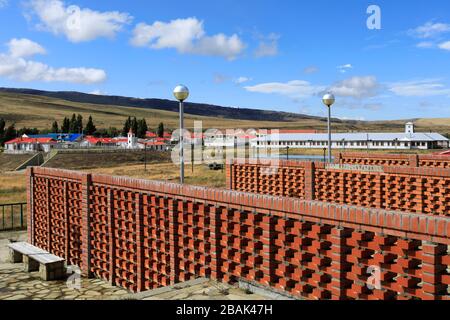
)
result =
(13, 216)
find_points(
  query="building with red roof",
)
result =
(26, 144)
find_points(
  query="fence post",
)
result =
(413, 160)
(49, 221)
(21, 216)
(12, 216)
(214, 216)
(338, 285)
(267, 249)
(433, 269)
(67, 221)
(310, 169)
(140, 243)
(86, 226)
(112, 242)
(173, 239)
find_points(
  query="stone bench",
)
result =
(50, 266)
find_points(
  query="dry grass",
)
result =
(40, 112)
(12, 187)
(201, 176)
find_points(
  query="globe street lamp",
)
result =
(181, 93)
(328, 100)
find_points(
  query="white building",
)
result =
(407, 140)
(26, 144)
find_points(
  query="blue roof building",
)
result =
(61, 137)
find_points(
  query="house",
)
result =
(91, 142)
(64, 140)
(364, 140)
(26, 144)
(156, 145)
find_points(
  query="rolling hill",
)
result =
(199, 109)
(33, 108)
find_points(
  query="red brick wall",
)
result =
(142, 234)
(411, 160)
(410, 189)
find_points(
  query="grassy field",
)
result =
(40, 112)
(9, 162)
(13, 184)
(12, 187)
(201, 176)
(87, 159)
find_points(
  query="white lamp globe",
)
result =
(328, 99)
(181, 93)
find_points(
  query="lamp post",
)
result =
(181, 93)
(328, 100)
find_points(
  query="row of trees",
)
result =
(75, 125)
(140, 127)
(9, 132)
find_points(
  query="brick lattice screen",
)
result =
(409, 189)
(142, 234)
(411, 160)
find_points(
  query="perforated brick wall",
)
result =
(409, 189)
(411, 160)
(142, 234)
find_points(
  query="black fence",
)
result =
(13, 216)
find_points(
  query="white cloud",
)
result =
(419, 88)
(430, 30)
(425, 44)
(97, 92)
(311, 70)
(3, 3)
(268, 46)
(241, 80)
(186, 36)
(293, 89)
(344, 68)
(15, 67)
(21, 48)
(445, 45)
(220, 78)
(77, 24)
(356, 87)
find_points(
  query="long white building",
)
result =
(406, 140)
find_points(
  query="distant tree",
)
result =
(134, 125)
(73, 124)
(55, 127)
(90, 127)
(142, 128)
(10, 133)
(79, 125)
(66, 125)
(160, 130)
(27, 131)
(2, 127)
(126, 126)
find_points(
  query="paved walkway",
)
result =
(15, 284)
(198, 289)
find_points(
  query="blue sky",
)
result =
(277, 55)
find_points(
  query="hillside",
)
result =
(31, 110)
(40, 111)
(166, 105)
